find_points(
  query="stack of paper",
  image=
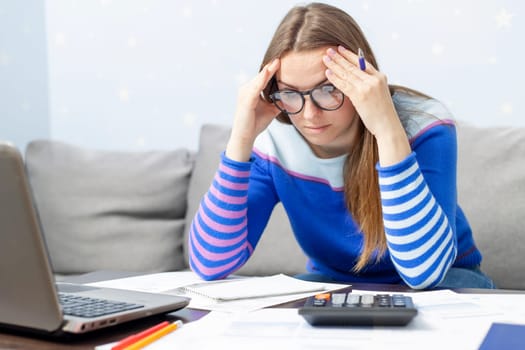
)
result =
(256, 287)
(234, 294)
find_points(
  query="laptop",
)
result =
(30, 299)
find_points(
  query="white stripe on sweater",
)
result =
(388, 180)
(414, 219)
(403, 207)
(414, 236)
(421, 268)
(389, 194)
(433, 276)
(422, 249)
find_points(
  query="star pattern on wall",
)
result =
(504, 18)
(4, 59)
(163, 59)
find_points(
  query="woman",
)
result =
(365, 171)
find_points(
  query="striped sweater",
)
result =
(425, 228)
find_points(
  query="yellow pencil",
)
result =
(155, 336)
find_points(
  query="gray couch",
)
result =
(106, 210)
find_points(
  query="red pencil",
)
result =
(136, 337)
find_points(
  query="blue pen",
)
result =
(361, 55)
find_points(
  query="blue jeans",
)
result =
(456, 277)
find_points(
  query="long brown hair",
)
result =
(320, 25)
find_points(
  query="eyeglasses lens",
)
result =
(289, 101)
(327, 97)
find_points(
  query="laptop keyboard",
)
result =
(75, 305)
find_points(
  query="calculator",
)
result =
(351, 309)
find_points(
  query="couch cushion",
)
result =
(491, 190)
(277, 251)
(108, 210)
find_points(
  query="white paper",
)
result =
(285, 329)
(154, 283)
(255, 287)
(445, 320)
(174, 283)
(245, 305)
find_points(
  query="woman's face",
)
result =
(329, 133)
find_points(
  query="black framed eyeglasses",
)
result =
(327, 97)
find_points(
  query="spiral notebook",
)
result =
(254, 287)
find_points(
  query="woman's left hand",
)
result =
(368, 90)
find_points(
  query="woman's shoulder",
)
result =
(419, 113)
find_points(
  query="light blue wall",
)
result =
(137, 74)
(24, 85)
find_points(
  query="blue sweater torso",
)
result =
(426, 230)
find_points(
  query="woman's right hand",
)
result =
(253, 114)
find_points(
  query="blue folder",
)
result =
(504, 336)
